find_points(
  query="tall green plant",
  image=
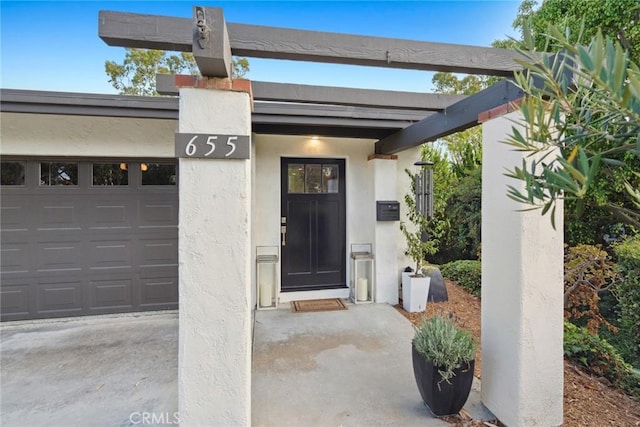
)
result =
(421, 237)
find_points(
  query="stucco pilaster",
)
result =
(386, 232)
(214, 266)
(522, 295)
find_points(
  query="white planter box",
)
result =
(415, 291)
(405, 279)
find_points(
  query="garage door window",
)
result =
(12, 173)
(110, 174)
(158, 174)
(54, 173)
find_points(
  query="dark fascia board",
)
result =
(170, 33)
(458, 117)
(328, 121)
(267, 115)
(331, 95)
(326, 131)
(287, 92)
(86, 104)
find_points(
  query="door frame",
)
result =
(341, 290)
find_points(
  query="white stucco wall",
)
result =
(360, 204)
(85, 136)
(214, 267)
(522, 295)
(385, 242)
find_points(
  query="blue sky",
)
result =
(54, 45)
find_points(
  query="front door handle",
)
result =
(283, 232)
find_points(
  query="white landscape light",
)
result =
(267, 277)
(362, 287)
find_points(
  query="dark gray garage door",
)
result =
(83, 237)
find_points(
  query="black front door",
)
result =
(313, 222)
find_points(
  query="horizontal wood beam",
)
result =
(315, 46)
(459, 116)
(168, 33)
(287, 92)
(145, 31)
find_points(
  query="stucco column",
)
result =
(522, 295)
(214, 267)
(386, 232)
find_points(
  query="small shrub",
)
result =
(465, 273)
(599, 357)
(588, 271)
(441, 341)
(628, 294)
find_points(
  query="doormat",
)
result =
(318, 305)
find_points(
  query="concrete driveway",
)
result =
(100, 371)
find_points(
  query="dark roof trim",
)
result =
(170, 33)
(287, 92)
(268, 117)
(85, 104)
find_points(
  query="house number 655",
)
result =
(198, 145)
(192, 147)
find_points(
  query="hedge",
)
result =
(465, 273)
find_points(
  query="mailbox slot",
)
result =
(387, 211)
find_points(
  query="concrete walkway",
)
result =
(91, 371)
(338, 368)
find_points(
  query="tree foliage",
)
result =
(136, 75)
(457, 205)
(628, 295)
(619, 19)
(463, 148)
(464, 213)
(581, 129)
(461, 156)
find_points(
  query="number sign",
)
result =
(206, 146)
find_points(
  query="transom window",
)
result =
(313, 178)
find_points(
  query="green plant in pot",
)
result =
(443, 363)
(415, 287)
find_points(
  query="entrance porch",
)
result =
(339, 368)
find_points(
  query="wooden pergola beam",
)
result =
(329, 95)
(455, 118)
(210, 44)
(168, 33)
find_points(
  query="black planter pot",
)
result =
(442, 398)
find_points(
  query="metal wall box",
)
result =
(387, 211)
